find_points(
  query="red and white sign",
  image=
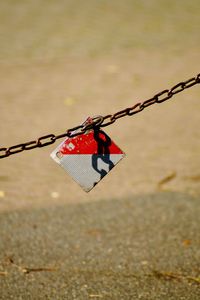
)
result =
(88, 157)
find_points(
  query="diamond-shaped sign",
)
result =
(88, 157)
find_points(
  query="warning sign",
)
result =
(88, 157)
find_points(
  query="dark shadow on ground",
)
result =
(103, 250)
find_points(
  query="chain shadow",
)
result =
(103, 152)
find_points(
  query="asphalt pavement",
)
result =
(143, 247)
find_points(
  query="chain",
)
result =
(101, 121)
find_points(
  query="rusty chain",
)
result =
(101, 121)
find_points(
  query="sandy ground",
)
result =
(136, 235)
(131, 237)
(49, 98)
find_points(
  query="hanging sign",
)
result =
(88, 157)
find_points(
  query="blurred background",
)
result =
(136, 235)
(62, 61)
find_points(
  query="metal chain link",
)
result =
(101, 121)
